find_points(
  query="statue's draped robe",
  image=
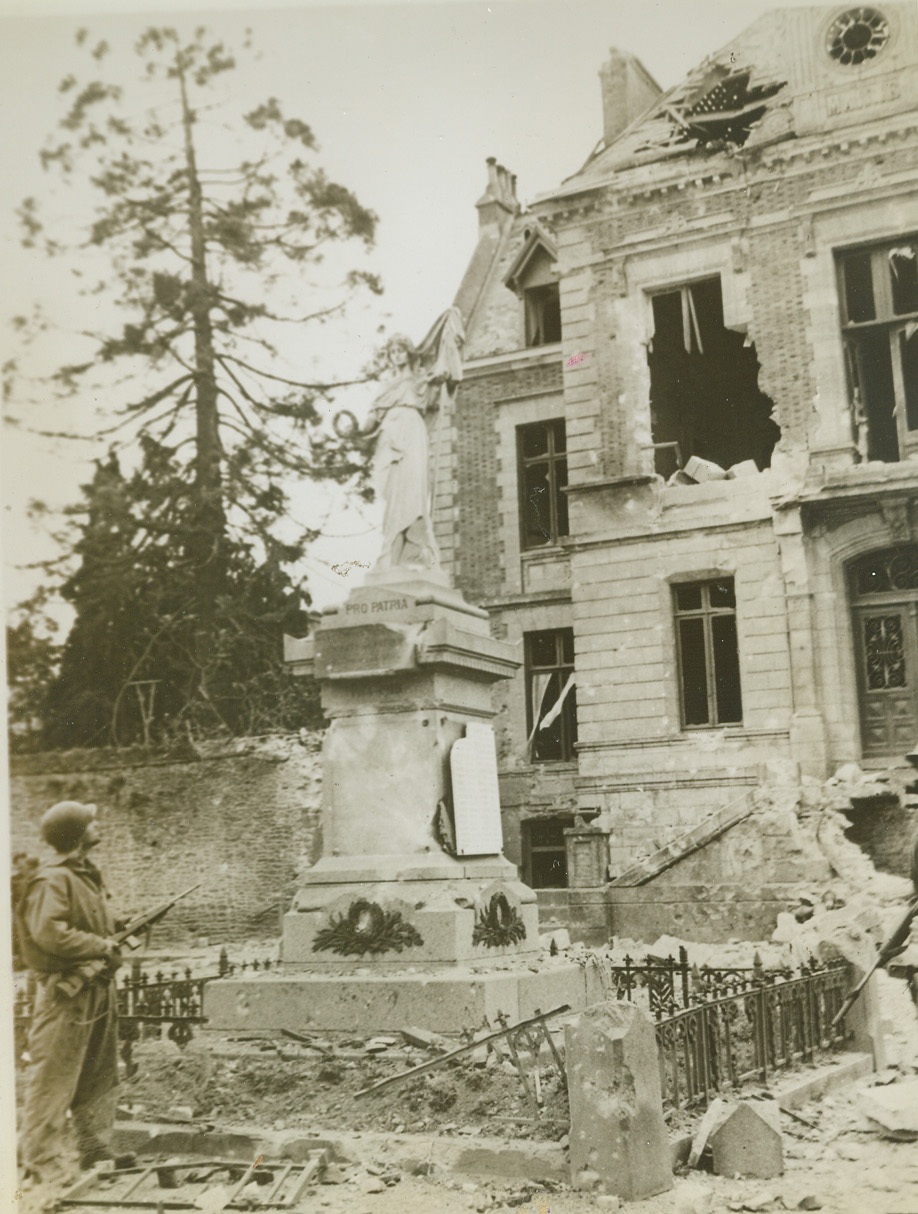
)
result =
(400, 473)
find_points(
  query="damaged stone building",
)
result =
(681, 469)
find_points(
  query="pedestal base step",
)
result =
(444, 999)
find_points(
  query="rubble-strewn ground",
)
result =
(283, 1086)
(835, 1159)
(836, 1163)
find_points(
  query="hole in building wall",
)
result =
(704, 395)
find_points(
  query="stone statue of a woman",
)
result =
(398, 425)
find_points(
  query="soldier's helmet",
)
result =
(64, 823)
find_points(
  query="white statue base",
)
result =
(391, 911)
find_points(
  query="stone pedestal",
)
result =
(392, 911)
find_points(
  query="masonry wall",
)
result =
(243, 823)
(480, 560)
(651, 777)
(768, 220)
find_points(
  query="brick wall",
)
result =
(241, 823)
(479, 558)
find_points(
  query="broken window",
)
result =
(551, 696)
(542, 476)
(704, 393)
(706, 641)
(544, 852)
(878, 286)
(543, 314)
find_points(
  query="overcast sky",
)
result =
(406, 101)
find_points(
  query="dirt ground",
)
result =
(282, 1085)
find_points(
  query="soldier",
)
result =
(64, 921)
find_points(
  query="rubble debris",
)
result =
(893, 1110)
(504, 1031)
(716, 1111)
(426, 1039)
(702, 470)
(745, 467)
(692, 1198)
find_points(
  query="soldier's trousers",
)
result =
(73, 1047)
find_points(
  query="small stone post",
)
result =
(618, 1139)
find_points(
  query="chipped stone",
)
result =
(747, 1142)
(893, 1109)
(617, 1127)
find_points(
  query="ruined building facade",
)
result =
(682, 468)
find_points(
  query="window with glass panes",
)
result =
(544, 852)
(549, 658)
(709, 676)
(879, 298)
(542, 472)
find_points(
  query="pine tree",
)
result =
(204, 238)
(130, 669)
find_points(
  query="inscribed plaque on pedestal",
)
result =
(476, 799)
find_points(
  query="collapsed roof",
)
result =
(765, 86)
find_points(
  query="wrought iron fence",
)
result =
(770, 1024)
(148, 1003)
(666, 985)
(720, 1027)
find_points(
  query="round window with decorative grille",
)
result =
(857, 36)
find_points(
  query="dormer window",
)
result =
(543, 314)
(533, 276)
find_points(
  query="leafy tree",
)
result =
(130, 669)
(32, 659)
(199, 231)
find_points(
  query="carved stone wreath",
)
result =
(366, 928)
(498, 924)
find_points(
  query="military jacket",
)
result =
(64, 917)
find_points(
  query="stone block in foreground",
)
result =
(618, 1138)
(747, 1141)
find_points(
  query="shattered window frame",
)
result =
(707, 653)
(543, 522)
(704, 398)
(557, 744)
(876, 284)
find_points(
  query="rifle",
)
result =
(889, 949)
(74, 981)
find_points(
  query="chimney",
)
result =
(499, 200)
(628, 90)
